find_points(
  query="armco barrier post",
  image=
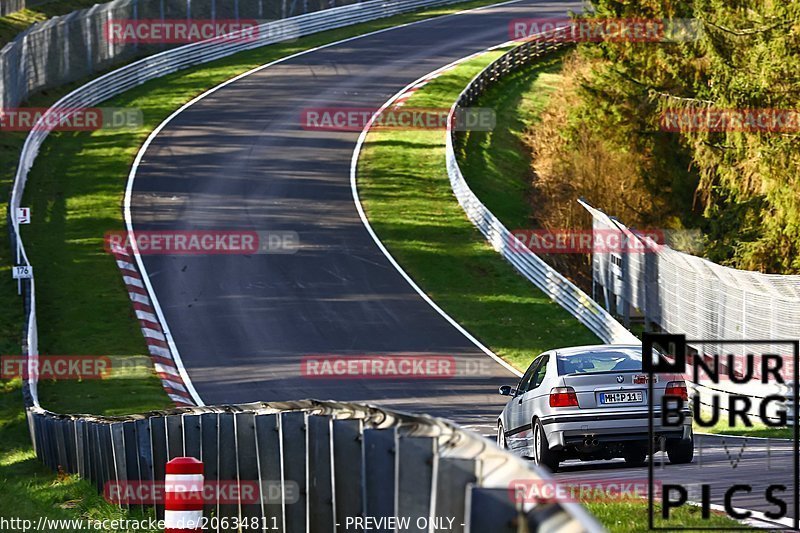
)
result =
(293, 436)
(183, 495)
(226, 465)
(328, 457)
(158, 441)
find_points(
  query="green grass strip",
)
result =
(406, 193)
(758, 429)
(404, 187)
(75, 190)
(497, 166)
(628, 516)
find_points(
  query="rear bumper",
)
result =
(570, 429)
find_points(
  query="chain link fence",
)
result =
(10, 6)
(75, 46)
(343, 459)
(162, 64)
(672, 291)
(684, 294)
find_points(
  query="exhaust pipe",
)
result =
(590, 442)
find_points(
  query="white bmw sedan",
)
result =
(590, 403)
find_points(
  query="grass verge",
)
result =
(75, 191)
(757, 430)
(29, 490)
(406, 193)
(497, 163)
(624, 517)
(497, 166)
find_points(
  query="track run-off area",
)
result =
(239, 159)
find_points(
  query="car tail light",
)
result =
(677, 388)
(563, 397)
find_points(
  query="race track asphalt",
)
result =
(719, 462)
(240, 160)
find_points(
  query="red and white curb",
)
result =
(154, 336)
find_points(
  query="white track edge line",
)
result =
(757, 516)
(380, 245)
(140, 155)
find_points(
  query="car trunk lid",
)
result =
(612, 390)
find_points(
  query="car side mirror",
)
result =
(507, 390)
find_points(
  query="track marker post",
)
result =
(183, 495)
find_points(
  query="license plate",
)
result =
(620, 397)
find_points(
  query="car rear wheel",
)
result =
(501, 436)
(635, 455)
(542, 454)
(680, 451)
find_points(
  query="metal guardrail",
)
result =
(338, 460)
(76, 46)
(561, 290)
(158, 65)
(347, 460)
(553, 284)
(683, 293)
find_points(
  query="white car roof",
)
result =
(633, 349)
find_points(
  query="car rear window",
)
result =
(593, 362)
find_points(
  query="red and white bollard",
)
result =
(183, 495)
